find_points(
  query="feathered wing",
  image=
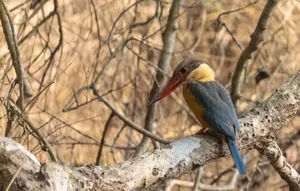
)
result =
(220, 116)
(224, 95)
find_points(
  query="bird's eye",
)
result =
(183, 70)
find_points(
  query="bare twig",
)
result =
(111, 48)
(11, 40)
(59, 45)
(256, 38)
(46, 144)
(13, 179)
(127, 121)
(225, 26)
(106, 126)
(36, 27)
(258, 176)
(10, 114)
(98, 36)
(198, 179)
(173, 182)
(169, 37)
(72, 143)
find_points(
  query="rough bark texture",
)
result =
(177, 158)
(12, 157)
(284, 169)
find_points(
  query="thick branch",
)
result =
(177, 158)
(12, 157)
(169, 37)
(256, 38)
(277, 160)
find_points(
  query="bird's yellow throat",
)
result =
(204, 73)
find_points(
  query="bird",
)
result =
(208, 100)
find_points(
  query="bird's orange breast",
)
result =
(196, 108)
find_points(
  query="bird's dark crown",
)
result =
(186, 66)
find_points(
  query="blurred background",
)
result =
(68, 45)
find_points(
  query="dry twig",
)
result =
(46, 146)
(169, 37)
(11, 40)
(127, 121)
(106, 126)
(256, 38)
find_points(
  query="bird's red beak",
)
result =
(171, 85)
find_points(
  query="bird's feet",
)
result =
(207, 131)
(201, 131)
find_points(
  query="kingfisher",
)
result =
(208, 100)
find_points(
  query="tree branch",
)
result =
(169, 37)
(125, 119)
(272, 151)
(256, 38)
(106, 126)
(179, 157)
(11, 40)
(45, 144)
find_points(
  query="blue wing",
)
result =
(224, 95)
(219, 111)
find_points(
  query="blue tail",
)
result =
(236, 155)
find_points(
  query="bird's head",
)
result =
(187, 70)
